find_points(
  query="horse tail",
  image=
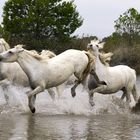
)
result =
(90, 65)
(135, 94)
(136, 108)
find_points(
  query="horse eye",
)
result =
(97, 46)
(90, 45)
(10, 52)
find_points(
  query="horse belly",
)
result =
(58, 75)
(115, 86)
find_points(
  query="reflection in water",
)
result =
(67, 118)
(63, 127)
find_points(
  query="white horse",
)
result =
(117, 78)
(12, 73)
(44, 74)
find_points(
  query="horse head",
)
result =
(12, 54)
(94, 46)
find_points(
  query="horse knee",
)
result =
(101, 88)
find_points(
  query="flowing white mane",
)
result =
(33, 53)
(5, 46)
(48, 53)
(44, 56)
(105, 58)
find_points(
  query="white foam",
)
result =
(18, 102)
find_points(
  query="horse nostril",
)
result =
(0, 58)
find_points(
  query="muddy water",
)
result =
(67, 118)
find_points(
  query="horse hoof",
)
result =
(136, 108)
(103, 83)
(92, 104)
(73, 93)
(33, 110)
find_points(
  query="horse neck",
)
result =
(28, 63)
(100, 67)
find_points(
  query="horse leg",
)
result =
(31, 97)
(135, 94)
(101, 89)
(96, 78)
(123, 96)
(128, 98)
(124, 93)
(73, 93)
(31, 102)
(90, 93)
(4, 83)
(51, 93)
(60, 90)
(5, 95)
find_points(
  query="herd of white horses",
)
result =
(45, 70)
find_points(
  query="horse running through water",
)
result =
(12, 72)
(117, 78)
(44, 74)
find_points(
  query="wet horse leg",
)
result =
(60, 89)
(96, 78)
(4, 83)
(135, 94)
(32, 96)
(128, 98)
(124, 94)
(31, 102)
(91, 94)
(51, 93)
(100, 89)
(73, 93)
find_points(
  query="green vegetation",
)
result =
(125, 42)
(36, 22)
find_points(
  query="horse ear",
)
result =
(20, 50)
(101, 45)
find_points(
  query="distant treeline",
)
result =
(126, 48)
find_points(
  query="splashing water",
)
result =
(17, 102)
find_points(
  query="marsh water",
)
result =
(67, 118)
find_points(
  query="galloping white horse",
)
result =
(44, 74)
(117, 78)
(13, 73)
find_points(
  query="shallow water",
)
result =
(67, 118)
